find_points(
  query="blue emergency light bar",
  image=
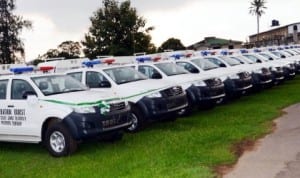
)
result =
(143, 59)
(224, 53)
(243, 51)
(20, 70)
(280, 48)
(257, 51)
(205, 53)
(286, 47)
(177, 56)
(271, 49)
(91, 63)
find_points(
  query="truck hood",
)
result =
(142, 88)
(87, 97)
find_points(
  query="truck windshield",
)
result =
(57, 84)
(254, 58)
(171, 69)
(230, 61)
(122, 75)
(268, 56)
(242, 60)
(204, 64)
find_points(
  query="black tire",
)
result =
(138, 121)
(62, 135)
(187, 111)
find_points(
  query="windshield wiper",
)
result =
(125, 82)
(211, 68)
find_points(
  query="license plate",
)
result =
(112, 122)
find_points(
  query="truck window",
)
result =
(3, 89)
(93, 79)
(148, 71)
(18, 89)
(76, 75)
(189, 67)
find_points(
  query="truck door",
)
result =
(23, 107)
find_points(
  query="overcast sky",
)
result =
(55, 21)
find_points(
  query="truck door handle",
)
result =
(10, 106)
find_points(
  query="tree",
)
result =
(257, 8)
(67, 50)
(11, 45)
(51, 53)
(117, 30)
(171, 43)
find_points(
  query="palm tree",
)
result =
(257, 8)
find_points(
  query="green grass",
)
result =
(189, 147)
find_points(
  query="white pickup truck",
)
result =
(57, 111)
(203, 91)
(150, 99)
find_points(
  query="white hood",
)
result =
(75, 98)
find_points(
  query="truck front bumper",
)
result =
(83, 126)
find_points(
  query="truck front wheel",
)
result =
(137, 119)
(59, 141)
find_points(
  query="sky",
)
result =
(55, 21)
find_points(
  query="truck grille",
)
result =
(213, 82)
(265, 70)
(117, 106)
(243, 75)
(174, 91)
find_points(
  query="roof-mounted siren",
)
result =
(177, 56)
(224, 53)
(143, 59)
(271, 49)
(21, 70)
(91, 63)
(205, 53)
(257, 50)
(46, 69)
(213, 53)
(108, 61)
(243, 51)
(188, 55)
(156, 58)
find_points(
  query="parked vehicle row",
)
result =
(61, 103)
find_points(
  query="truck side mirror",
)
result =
(28, 93)
(259, 61)
(283, 56)
(194, 71)
(222, 65)
(104, 84)
(156, 76)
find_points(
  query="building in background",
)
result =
(278, 35)
(215, 43)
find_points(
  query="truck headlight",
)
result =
(272, 69)
(154, 95)
(258, 71)
(199, 83)
(234, 76)
(84, 110)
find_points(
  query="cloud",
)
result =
(189, 20)
(44, 35)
